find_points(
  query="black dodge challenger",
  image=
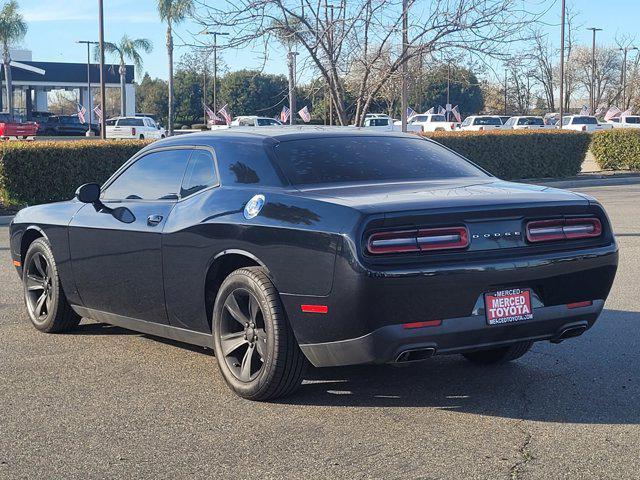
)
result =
(284, 246)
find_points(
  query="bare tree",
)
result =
(607, 72)
(364, 35)
(544, 57)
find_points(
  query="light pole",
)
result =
(103, 101)
(625, 51)
(405, 47)
(291, 62)
(562, 64)
(505, 91)
(215, 63)
(593, 69)
(90, 97)
(448, 86)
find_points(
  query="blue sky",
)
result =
(54, 26)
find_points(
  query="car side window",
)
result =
(243, 163)
(467, 122)
(200, 174)
(155, 176)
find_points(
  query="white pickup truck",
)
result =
(628, 121)
(584, 123)
(387, 124)
(480, 123)
(432, 122)
(134, 128)
(527, 123)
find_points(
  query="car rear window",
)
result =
(131, 122)
(438, 118)
(487, 121)
(585, 120)
(632, 120)
(368, 159)
(530, 121)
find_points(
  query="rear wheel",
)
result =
(46, 303)
(499, 355)
(257, 353)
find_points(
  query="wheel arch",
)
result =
(30, 234)
(220, 267)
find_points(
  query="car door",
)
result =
(116, 248)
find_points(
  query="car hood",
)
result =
(457, 193)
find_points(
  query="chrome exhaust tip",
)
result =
(415, 355)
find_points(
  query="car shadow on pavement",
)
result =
(592, 379)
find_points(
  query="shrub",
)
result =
(199, 126)
(518, 154)
(185, 127)
(48, 171)
(617, 149)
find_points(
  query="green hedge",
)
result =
(617, 149)
(518, 154)
(41, 171)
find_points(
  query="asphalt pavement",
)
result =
(103, 402)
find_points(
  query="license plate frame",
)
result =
(507, 306)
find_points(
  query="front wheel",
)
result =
(498, 355)
(254, 345)
(46, 303)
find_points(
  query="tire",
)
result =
(498, 355)
(40, 278)
(261, 359)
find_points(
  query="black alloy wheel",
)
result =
(39, 288)
(242, 335)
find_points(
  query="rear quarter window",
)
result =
(246, 163)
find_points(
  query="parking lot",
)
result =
(104, 402)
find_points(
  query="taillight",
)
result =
(425, 239)
(584, 128)
(481, 129)
(563, 229)
(133, 131)
(453, 126)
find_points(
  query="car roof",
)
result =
(280, 134)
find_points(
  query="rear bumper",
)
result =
(454, 335)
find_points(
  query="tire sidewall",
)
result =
(235, 281)
(41, 246)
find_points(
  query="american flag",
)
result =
(212, 115)
(456, 113)
(225, 114)
(410, 112)
(98, 111)
(585, 110)
(441, 110)
(599, 110)
(305, 115)
(626, 113)
(284, 114)
(81, 113)
(612, 112)
(430, 111)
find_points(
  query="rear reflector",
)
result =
(314, 308)
(403, 241)
(563, 229)
(580, 304)
(428, 323)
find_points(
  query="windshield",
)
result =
(487, 121)
(369, 159)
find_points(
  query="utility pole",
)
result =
(625, 51)
(90, 97)
(330, 19)
(291, 62)
(505, 91)
(562, 16)
(204, 91)
(215, 65)
(103, 96)
(593, 69)
(405, 46)
(448, 86)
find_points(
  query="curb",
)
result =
(6, 220)
(591, 181)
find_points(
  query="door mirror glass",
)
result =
(88, 193)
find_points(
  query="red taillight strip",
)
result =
(428, 323)
(563, 229)
(314, 308)
(588, 303)
(403, 241)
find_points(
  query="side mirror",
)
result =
(88, 193)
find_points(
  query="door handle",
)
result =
(153, 220)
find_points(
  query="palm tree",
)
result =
(127, 48)
(172, 12)
(12, 29)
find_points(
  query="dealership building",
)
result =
(35, 84)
